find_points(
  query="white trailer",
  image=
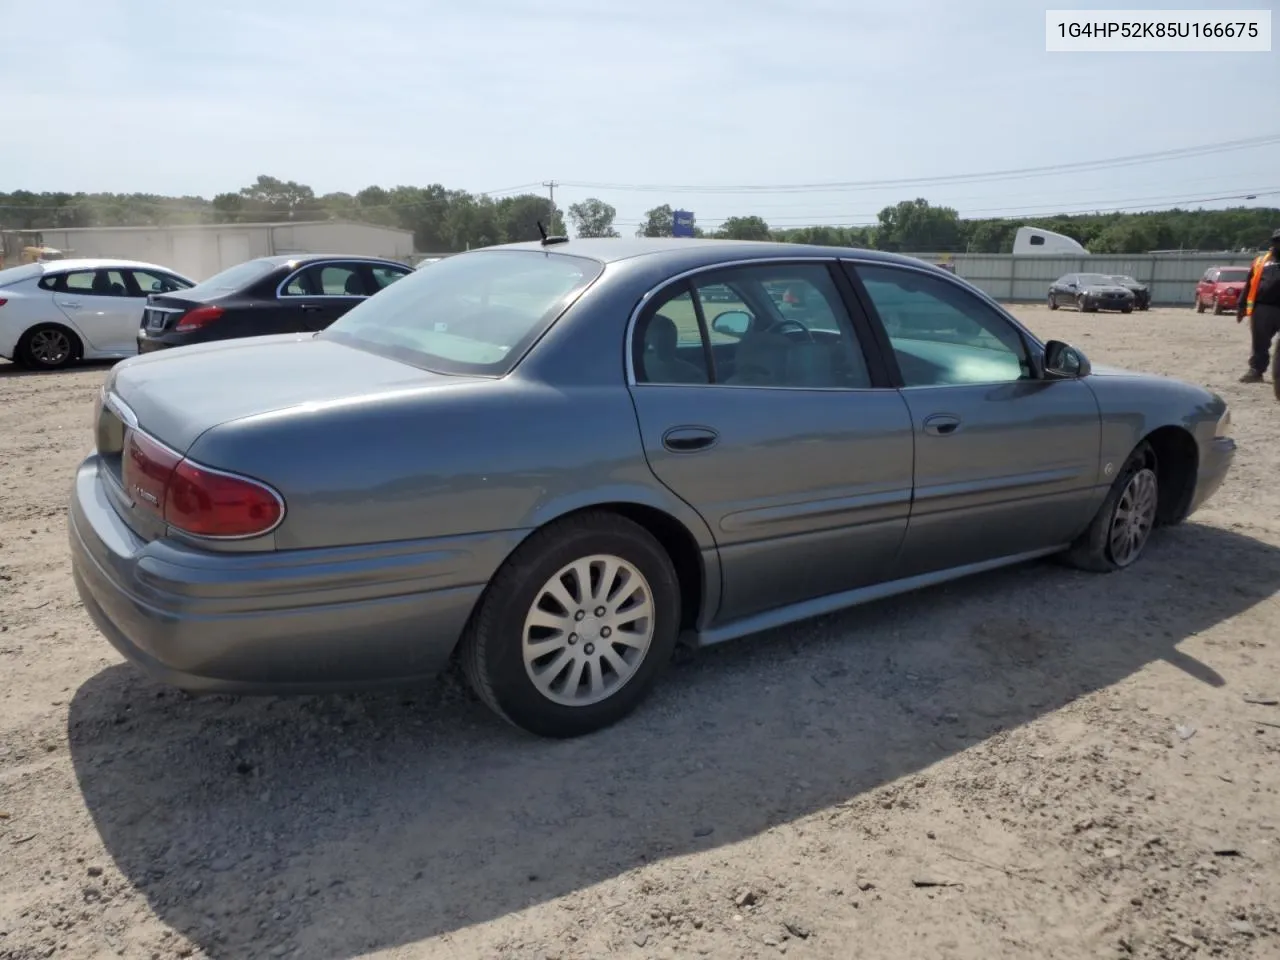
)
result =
(1035, 240)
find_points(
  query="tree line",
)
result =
(444, 220)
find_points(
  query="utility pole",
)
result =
(551, 190)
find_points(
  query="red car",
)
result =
(1221, 288)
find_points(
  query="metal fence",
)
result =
(1172, 277)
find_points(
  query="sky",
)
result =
(605, 97)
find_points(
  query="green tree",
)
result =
(658, 222)
(521, 214)
(270, 199)
(593, 218)
(744, 228)
(914, 225)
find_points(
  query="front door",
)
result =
(775, 429)
(100, 304)
(1006, 463)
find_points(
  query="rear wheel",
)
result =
(1121, 528)
(1199, 304)
(47, 347)
(576, 627)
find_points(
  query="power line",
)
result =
(1081, 207)
(997, 175)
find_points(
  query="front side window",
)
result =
(768, 325)
(386, 276)
(150, 282)
(941, 333)
(472, 313)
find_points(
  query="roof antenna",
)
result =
(549, 240)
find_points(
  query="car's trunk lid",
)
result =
(176, 395)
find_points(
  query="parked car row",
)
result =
(54, 313)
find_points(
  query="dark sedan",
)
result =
(1090, 292)
(285, 294)
(1141, 292)
(539, 459)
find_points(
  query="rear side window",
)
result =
(474, 313)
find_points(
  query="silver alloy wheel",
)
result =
(588, 630)
(50, 347)
(1134, 516)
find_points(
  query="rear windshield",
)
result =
(18, 274)
(1225, 276)
(475, 313)
(232, 279)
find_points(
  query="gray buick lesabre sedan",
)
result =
(555, 460)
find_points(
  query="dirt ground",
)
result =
(1033, 763)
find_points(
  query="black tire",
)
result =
(1126, 309)
(1217, 307)
(1093, 550)
(1082, 305)
(492, 654)
(1053, 302)
(39, 347)
(1199, 304)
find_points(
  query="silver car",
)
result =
(555, 461)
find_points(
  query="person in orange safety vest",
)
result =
(1261, 304)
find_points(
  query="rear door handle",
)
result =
(69, 303)
(941, 424)
(689, 439)
(308, 307)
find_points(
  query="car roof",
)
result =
(298, 259)
(97, 263)
(690, 253)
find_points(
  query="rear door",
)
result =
(102, 306)
(781, 431)
(321, 292)
(1006, 463)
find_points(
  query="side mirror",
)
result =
(732, 323)
(1064, 362)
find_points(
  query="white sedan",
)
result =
(55, 312)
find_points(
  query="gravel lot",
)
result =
(1034, 763)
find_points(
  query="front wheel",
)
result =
(1053, 302)
(576, 627)
(1217, 307)
(1123, 524)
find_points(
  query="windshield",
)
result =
(473, 313)
(1097, 279)
(1233, 276)
(18, 274)
(232, 278)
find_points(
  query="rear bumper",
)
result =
(275, 622)
(1215, 462)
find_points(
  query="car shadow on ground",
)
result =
(337, 825)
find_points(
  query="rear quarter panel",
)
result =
(498, 455)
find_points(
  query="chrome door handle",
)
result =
(689, 439)
(69, 303)
(941, 425)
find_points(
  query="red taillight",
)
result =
(3, 301)
(197, 318)
(210, 504)
(195, 499)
